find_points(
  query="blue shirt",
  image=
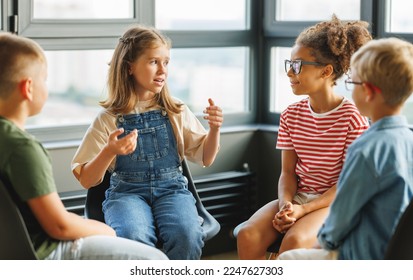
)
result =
(374, 188)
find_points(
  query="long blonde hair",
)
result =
(121, 95)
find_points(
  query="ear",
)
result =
(26, 89)
(129, 68)
(327, 71)
(369, 92)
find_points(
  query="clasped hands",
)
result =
(283, 220)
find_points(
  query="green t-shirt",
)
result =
(25, 167)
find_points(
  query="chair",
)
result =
(400, 246)
(96, 195)
(272, 249)
(15, 242)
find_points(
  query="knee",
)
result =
(137, 235)
(248, 235)
(185, 245)
(184, 237)
(296, 240)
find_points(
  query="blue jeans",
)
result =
(148, 199)
(105, 248)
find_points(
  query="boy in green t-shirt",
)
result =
(55, 232)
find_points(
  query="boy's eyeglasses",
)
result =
(296, 65)
(350, 84)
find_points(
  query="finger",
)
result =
(211, 102)
(284, 228)
(132, 135)
(212, 123)
(116, 133)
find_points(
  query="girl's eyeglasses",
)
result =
(296, 65)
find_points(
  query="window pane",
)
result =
(408, 109)
(81, 9)
(218, 73)
(399, 12)
(317, 10)
(77, 82)
(201, 15)
(281, 95)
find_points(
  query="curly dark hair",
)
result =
(334, 42)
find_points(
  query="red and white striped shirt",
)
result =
(320, 141)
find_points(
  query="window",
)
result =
(212, 54)
(396, 21)
(201, 15)
(288, 18)
(3, 16)
(80, 9)
(196, 74)
(77, 18)
(76, 82)
(297, 10)
(399, 17)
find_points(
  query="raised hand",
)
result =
(213, 115)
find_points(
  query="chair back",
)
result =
(96, 195)
(15, 242)
(94, 199)
(400, 246)
(210, 224)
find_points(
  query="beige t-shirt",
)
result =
(189, 133)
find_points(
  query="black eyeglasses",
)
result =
(350, 84)
(296, 65)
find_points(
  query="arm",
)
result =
(61, 224)
(287, 187)
(322, 201)
(93, 171)
(353, 192)
(287, 184)
(211, 144)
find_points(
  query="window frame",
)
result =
(68, 28)
(102, 34)
(382, 22)
(274, 28)
(3, 15)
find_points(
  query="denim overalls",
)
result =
(148, 199)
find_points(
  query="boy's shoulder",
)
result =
(11, 135)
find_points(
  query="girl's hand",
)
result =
(298, 212)
(124, 145)
(214, 115)
(282, 220)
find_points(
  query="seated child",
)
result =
(54, 232)
(376, 183)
